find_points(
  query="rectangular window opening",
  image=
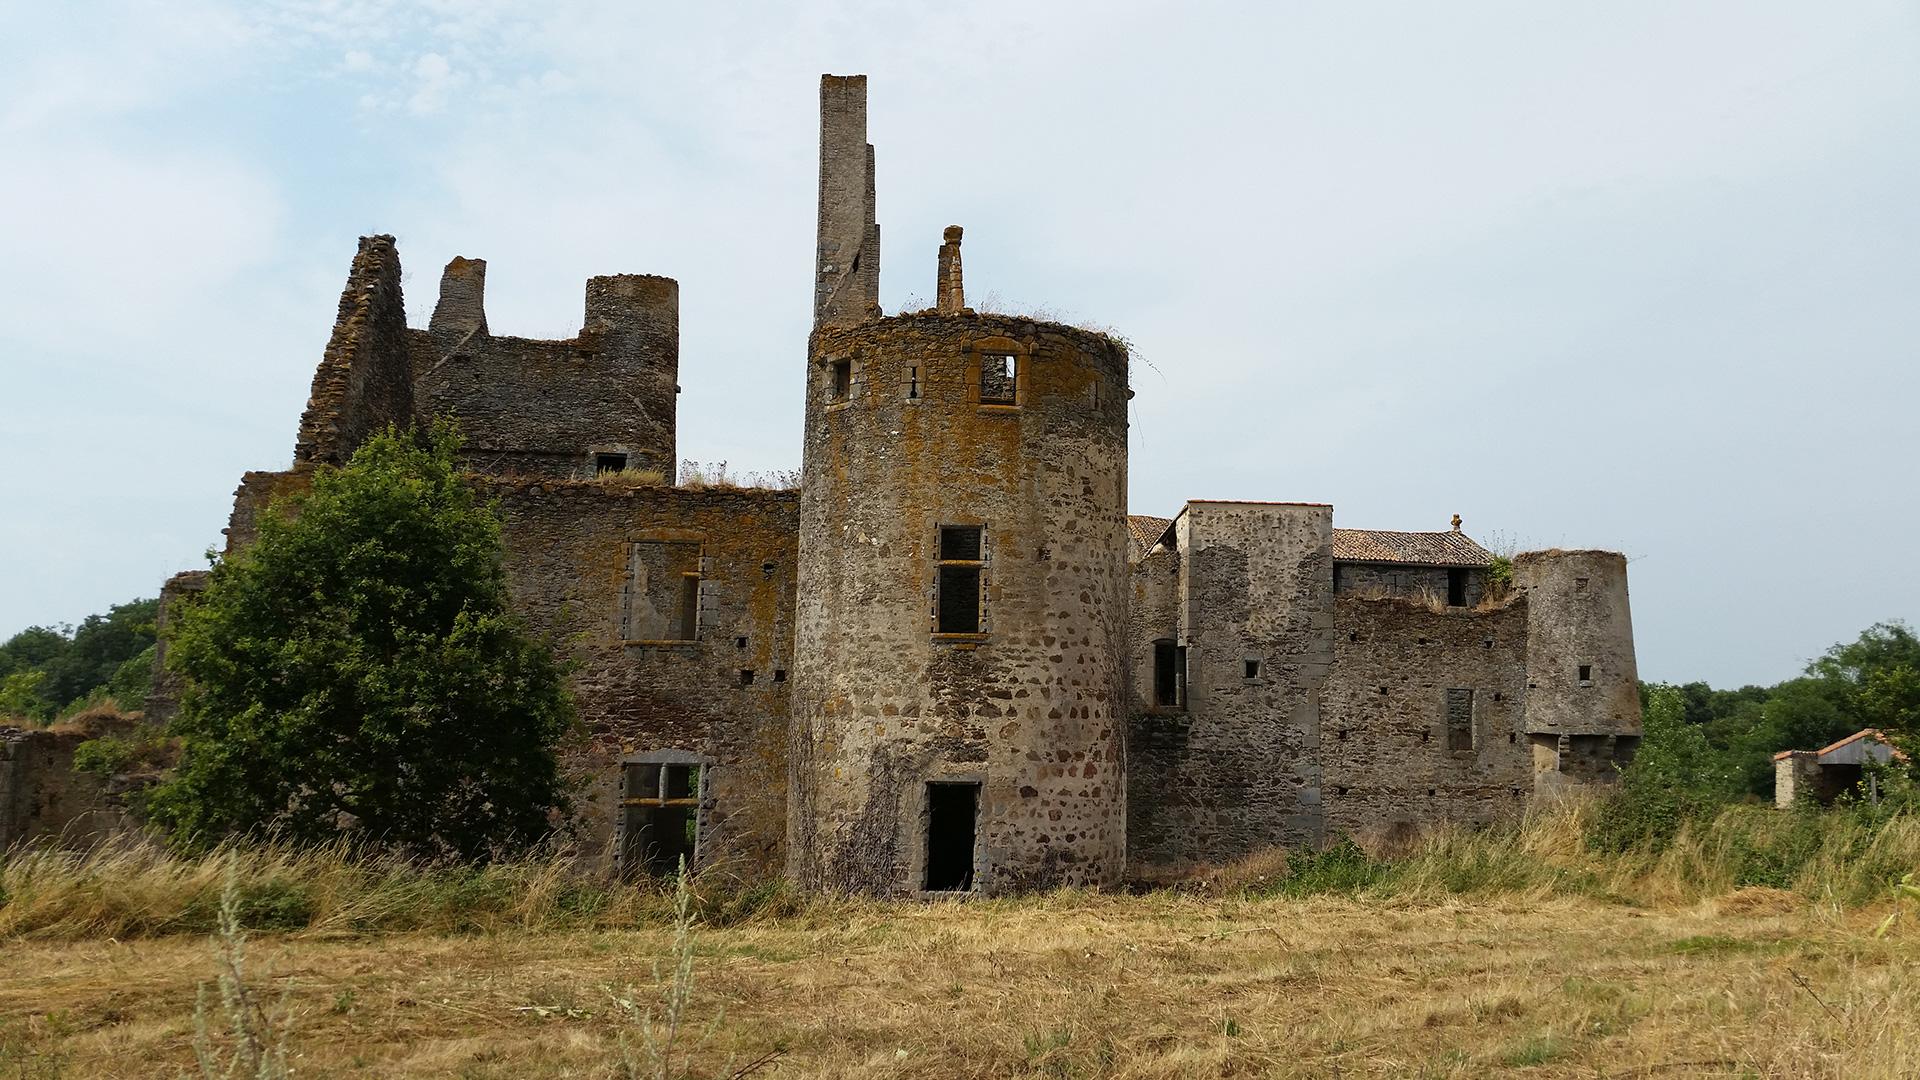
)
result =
(952, 810)
(840, 380)
(661, 808)
(1586, 673)
(999, 379)
(1253, 669)
(1165, 691)
(609, 463)
(959, 600)
(660, 600)
(1459, 719)
(1456, 588)
(746, 676)
(962, 557)
(779, 674)
(689, 607)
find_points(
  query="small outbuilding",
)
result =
(1823, 775)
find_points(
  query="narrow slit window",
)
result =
(689, 607)
(952, 813)
(913, 382)
(839, 380)
(962, 558)
(1459, 708)
(609, 463)
(999, 379)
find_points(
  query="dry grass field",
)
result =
(1530, 966)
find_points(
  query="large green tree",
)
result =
(356, 669)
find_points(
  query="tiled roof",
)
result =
(1864, 733)
(1430, 548)
(1146, 532)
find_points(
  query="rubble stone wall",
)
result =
(1394, 761)
(1032, 706)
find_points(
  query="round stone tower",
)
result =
(959, 669)
(1583, 689)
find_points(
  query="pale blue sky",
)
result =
(1629, 275)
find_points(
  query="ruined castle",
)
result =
(952, 661)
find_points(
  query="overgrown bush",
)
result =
(355, 671)
(1676, 777)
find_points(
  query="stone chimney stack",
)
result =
(948, 294)
(846, 286)
(462, 309)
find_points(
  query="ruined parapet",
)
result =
(846, 286)
(1583, 689)
(462, 309)
(163, 699)
(603, 400)
(960, 660)
(43, 800)
(365, 378)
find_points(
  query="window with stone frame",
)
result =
(839, 380)
(660, 599)
(660, 815)
(999, 378)
(1459, 717)
(959, 599)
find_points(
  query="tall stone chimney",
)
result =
(949, 295)
(846, 286)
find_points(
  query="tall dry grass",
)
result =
(137, 889)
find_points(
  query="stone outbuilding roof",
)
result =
(1426, 548)
(1146, 531)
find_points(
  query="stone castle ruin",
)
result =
(952, 661)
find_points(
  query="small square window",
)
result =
(746, 676)
(1579, 584)
(1252, 669)
(960, 543)
(609, 463)
(1586, 673)
(779, 674)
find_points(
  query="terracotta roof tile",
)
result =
(1146, 532)
(1430, 548)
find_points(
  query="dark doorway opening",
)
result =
(951, 813)
(1456, 588)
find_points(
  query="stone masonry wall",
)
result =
(1239, 768)
(42, 799)
(1390, 763)
(1403, 580)
(548, 407)
(567, 562)
(1031, 708)
(365, 380)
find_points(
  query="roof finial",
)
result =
(1456, 523)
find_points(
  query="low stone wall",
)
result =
(42, 800)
